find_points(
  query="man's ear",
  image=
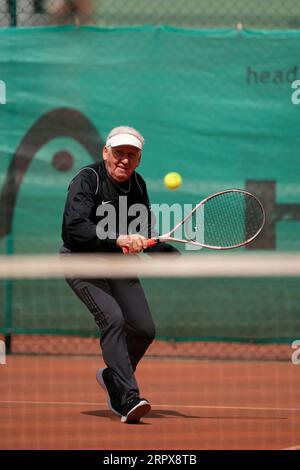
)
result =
(104, 152)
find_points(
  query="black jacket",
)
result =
(86, 192)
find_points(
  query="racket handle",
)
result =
(150, 242)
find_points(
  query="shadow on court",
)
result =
(175, 414)
(109, 415)
(152, 414)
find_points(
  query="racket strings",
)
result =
(222, 221)
(227, 219)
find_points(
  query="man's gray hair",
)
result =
(126, 130)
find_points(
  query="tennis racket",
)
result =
(225, 220)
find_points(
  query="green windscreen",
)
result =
(215, 106)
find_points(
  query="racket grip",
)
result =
(150, 242)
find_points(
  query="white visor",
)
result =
(124, 139)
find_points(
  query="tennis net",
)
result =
(204, 305)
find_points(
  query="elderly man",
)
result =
(119, 306)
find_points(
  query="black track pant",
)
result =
(122, 314)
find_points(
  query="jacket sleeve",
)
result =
(79, 207)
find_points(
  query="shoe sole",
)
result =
(99, 377)
(140, 410)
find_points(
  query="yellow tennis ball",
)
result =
(172, 180)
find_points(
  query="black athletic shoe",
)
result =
(134, 409)
(114, 396)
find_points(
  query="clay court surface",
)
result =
(54, 402)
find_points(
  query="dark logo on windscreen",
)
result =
(62, 122)
(255, 76)
(276, 212)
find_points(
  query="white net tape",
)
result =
(93, 266)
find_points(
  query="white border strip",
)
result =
(121, 266)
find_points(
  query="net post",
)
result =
(8, 300)
(7, 341)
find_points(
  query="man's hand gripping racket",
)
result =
(225, 220)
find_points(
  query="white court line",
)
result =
(292, 448)
(201, 407)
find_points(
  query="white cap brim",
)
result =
(124, 139)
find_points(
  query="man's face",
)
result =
(121, 161)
